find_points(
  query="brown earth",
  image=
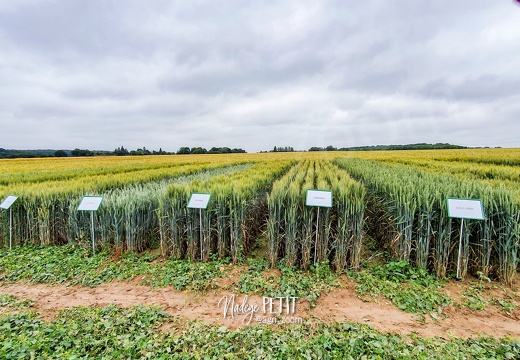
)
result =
(341, 305)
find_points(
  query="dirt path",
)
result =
(339, 305)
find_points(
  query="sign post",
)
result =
(470, 209)
(318, 198)
(6, 204)
(91, 203)
(199, 201)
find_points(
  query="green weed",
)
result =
(473, 297)
(410, 289)
(112, 332)
(9, 302)
(309, 284)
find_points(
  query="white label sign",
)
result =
(199, 201)
(90, 203)
(8, 202)
(465, 209)
(321, 198)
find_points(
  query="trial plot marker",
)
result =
(199, 201)
(318, 198)
(91, 203)
(470, 209)
(6, 204)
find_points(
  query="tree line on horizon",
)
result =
(184, 150)
(120, 151)
(418, 146)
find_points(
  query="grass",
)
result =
(112, 332)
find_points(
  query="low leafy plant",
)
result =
(72, 265)
(291, 281)
(410, 289)
(505, 305)
(473, 297)
(48, 264)
(112, 332)
(9, 302)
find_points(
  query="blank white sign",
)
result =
(198, 201)
(6, 204)
(90, 203)
(465, 209)
(321, 198)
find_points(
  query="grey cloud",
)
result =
(485, 87)
(102, 74)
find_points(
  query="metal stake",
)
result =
(92, 232)
(459, 277)
(316, 242)
(201, 242)
(10, 228)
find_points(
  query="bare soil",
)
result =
(339, 305)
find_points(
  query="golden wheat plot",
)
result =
(405, 192)
(413, 202)
(46, 211)
(296, 233)
(234, 217)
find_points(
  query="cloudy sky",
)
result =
(100, 74)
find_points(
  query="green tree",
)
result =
(184, 150)
(60, 153)
(199, 150)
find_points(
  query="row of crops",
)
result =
(419, 228)
(302, 234)
(397, 200)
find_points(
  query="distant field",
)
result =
(393, 201)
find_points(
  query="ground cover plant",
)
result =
(139, 333)
(72, 265)
(410, 289)
(290, 281)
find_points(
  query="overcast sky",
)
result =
(100, 74)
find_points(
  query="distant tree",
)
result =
(79, 152)
(420, 146)
(184, 150)
(60, 153)
(139, 151)
(225, 150)
(330, 148)
(198, 150)
(160, 152)
(283, 149)
(121, 151)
